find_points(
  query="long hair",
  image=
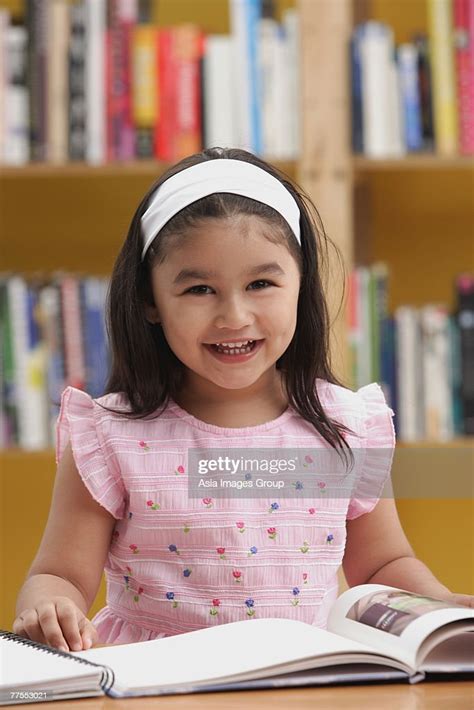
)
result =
(145, 368)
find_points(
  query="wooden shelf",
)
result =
(427, 161)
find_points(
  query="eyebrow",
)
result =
(271, 267)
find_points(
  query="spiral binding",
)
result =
(107, 679)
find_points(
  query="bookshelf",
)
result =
(73, 208)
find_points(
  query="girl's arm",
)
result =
(63, 580)
(378, 552)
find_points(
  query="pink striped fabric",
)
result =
(178, 563)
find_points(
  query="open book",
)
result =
(374, 633)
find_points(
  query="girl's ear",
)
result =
(151, 314)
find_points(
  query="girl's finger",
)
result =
(50, 627)
(67, 616)
(31, 626)
(88, 632)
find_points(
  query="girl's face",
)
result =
(226, 283)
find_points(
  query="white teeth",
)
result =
(235, 345)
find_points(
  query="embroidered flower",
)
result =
(237, 574)
(304, 547)
(173, 548)
(134, 548)
(179, 470)
(322, 486)
(272, 532)
(136, 597)
(253, 551)
(329, 539)
(152, 505)
(130, 515)
(214, 611)
(241, 527)
(220, 551)
(127, 581)
(298, 485)
(186, 528)
(170, 596)
(311, 511)
(295, 593)
(274, 506)
(207, 502)
(144, 445)
(186, 572)
(307, 460)
(249, 603)
(305, 577)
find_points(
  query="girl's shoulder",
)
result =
(366, 408)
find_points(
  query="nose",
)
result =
(233, 314)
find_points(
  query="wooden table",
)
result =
(453, 695)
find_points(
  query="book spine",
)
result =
(420, 41)
(57, 86)
(241, 72)
(9, 414)
(4, 27)
(36, 18)
(219, 115)
(409, 88)
(95, 82)
(357, 133)
(291, 24)
(77, 85)
(96, 359)
(436, 374)
(73, 337)
(464, 55)
(188, 48)
(126, 17)
(409, 384)
(444, 91)
(455, 370)
(253, 16)
(465, 321)
(16, 124)
(144, 87)
(53, 336)
(165, 127)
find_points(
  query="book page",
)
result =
(395, 621)
(242, 648)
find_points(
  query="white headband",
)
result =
(219, 175)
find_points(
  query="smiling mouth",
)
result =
(241, 350)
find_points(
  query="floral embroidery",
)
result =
(130, 514)
(214, 611)
(170, 596)
(173, 548)
(272, 532)
(152, 505)
(144, 445)
(250, 607)
(134, 549)
(186, 528)
(115, 535)
(274, 506)
(220, 551)
(237, 574)
(307, 460)
(127, 581)
(322, 486)
(295, 593)
(305, 577)
(311, 511)
(241, 527)
(186, 572)
(253, 551)
(304, 547)
(298, 485)
(136, 596)
(179, 470)
(208, 502)
(329, 539)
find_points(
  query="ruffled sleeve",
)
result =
(79, 422)
(377, 453)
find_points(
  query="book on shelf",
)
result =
(374, 634)
(418, 96)
(53, 334)
(100, 81)
(421, 356)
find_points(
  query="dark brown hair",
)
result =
(145, 368)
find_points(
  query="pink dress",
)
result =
(178, 563)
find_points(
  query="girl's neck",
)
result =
(232, 408)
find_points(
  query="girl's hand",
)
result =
(57, 622)
(464, 599)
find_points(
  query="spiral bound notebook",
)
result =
(375, 633)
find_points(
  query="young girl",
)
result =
(219, 337)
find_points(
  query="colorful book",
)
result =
(463, 19)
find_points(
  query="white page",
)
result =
(22, 665)
(220, 651)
